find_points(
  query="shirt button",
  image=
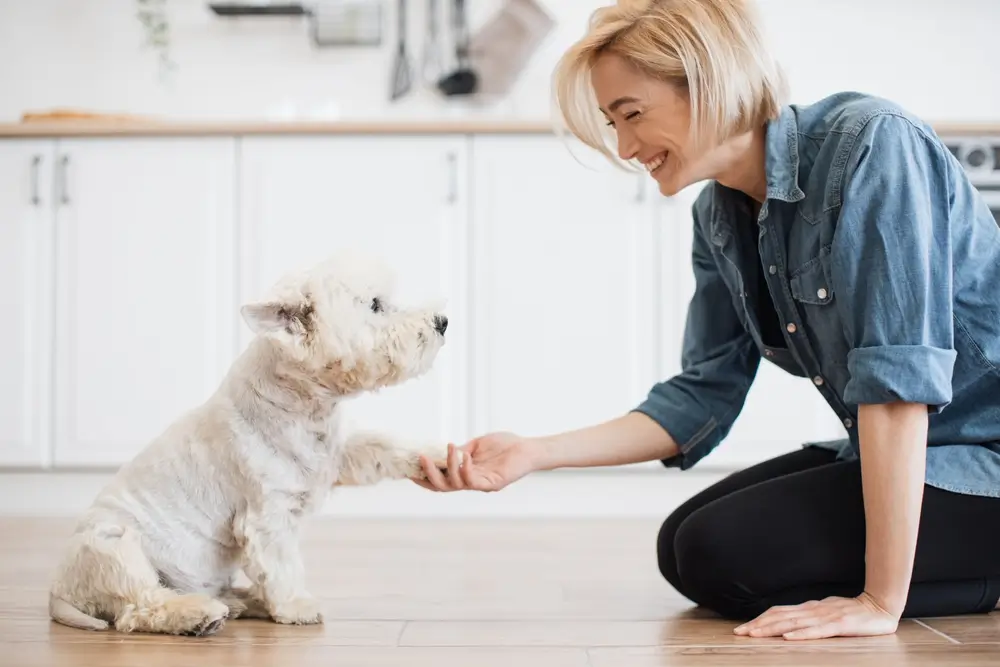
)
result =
(817, 380)
(848, 422)
(821, 293)
(791, 327)
(772, 269)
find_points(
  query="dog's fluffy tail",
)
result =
(65, 613)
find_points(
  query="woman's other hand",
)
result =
(487, 463)
(820, 619)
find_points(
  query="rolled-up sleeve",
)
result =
(891, 266)
(719, 361)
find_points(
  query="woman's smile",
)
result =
(654, 163)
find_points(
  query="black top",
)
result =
(770, 325)
(767, 316)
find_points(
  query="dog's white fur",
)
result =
(225, 487)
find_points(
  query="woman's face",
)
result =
(652, 119)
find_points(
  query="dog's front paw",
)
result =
(438, 455)
(298, 611)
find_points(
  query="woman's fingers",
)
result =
(790, 623)
(818, 631)
(454, 463)
(468, 478)
(456, 477)
(461, 472)
(434, 476)
(773, 616)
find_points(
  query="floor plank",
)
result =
(800, 655)
(969, 629)
(580, 593)
(275, 655)
(671, 632)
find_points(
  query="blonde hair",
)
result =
(712, 49)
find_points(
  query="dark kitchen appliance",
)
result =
(980, 157)
(463, 80)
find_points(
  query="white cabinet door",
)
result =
(25, 300)
(565, 296)
(402, 198)
(782, 411)
(145, 296)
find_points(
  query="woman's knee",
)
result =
(711, 564)
(666, 558)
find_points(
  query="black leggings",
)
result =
(792, 529)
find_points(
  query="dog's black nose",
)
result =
(440, 324)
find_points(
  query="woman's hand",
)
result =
(832, 617)
(488, 463)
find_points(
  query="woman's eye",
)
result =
(629, 116)
(376, 305)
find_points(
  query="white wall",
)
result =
(932, 56)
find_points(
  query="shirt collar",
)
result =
(781, 169)
(782, 157)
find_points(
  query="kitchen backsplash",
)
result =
(934, 57)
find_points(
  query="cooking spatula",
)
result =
(402, 76)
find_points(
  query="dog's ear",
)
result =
(294, 318)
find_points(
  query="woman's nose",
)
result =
(628, 147)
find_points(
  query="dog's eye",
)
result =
(376, 305)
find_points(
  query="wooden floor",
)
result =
(464, 593)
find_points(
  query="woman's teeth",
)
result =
(655, 163)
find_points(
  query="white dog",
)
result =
(225, 487)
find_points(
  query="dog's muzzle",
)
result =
(440, 324)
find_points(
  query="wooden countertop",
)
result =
(85, 128)
(111, 128)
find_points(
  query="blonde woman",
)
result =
(841, 241)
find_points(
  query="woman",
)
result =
(841, 241)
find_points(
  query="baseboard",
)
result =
(603, 493)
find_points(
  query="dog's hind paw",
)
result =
(298, 611)
(191, 614)
(206, 627)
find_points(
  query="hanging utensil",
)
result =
(431, 65)
(463, 80)
(504, 46)
(402, 76)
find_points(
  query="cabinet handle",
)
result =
(36, 163)
(63, 179)
(452, 177)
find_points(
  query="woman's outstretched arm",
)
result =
(631, 438)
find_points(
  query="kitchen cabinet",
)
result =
(124, 260)
(144, 307)
(562, 272)
(402, 198)
(26, 274)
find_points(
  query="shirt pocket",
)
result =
(812, 289)
(810, 283)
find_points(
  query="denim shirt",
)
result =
(883, 262)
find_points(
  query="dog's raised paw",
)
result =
(298, 611)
